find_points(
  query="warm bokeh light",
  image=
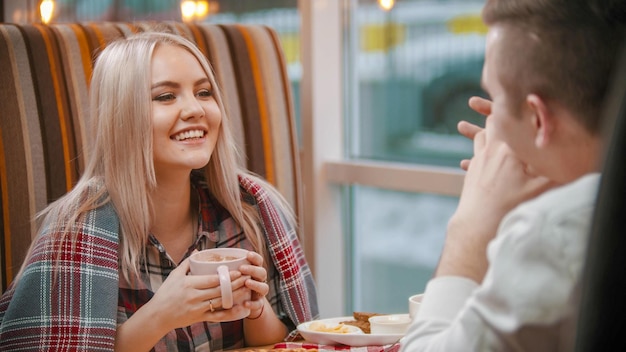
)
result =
(194, 10)
(188, 10)
(386, 4)
(46, 9)
(202, 9)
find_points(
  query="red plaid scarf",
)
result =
(296, 284)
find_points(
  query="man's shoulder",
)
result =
(567, 207)
(580, 193)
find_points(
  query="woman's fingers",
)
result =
(238, 280)
(258, 286)
(255, 258)
(182, 268)
(257, 283)
(255, 269)
(255, 305)
(234, 313)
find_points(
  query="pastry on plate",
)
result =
(361, 320)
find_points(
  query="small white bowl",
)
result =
(389, 324)
(414, 304)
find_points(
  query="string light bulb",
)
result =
(202, 9)
(194, 10)
(188, 9)
(386, 4)
(46, 9)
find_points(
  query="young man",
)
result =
(509, 272)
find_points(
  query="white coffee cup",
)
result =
(414, 304)
(220, 261)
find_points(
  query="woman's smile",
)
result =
(191, 135)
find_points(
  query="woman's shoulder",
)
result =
(266, 197)
(255, 187)
(86, 206)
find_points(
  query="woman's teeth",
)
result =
(189, 134)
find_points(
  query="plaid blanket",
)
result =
(296, 284)
(69, 305)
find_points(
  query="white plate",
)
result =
(326, 338)
(354, 339)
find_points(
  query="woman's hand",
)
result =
(262, 326)
(187, 299)
(257, 283)
(181, 300)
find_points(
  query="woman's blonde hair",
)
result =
(121, 158)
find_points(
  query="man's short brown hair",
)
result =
(561, 50)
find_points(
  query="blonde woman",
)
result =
(109, 268)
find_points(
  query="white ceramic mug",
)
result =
(414, 304)
(220, 261)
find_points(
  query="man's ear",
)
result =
(541, 118)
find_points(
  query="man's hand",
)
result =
(495, 183)
(469, 130)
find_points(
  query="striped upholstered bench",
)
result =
(44, 79)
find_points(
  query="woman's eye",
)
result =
(164, 97)
(205, 93)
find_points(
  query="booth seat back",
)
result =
(44, 79)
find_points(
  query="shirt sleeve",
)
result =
(443, 299)
(530, 281)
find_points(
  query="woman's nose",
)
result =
(191, 108)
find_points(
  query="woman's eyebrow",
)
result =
(203, 80)
(173, 84)
(165, 84)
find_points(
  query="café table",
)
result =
(304, 346)
(331, 335)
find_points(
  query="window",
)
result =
(397, 239)
(414, 68)
(410, 71)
